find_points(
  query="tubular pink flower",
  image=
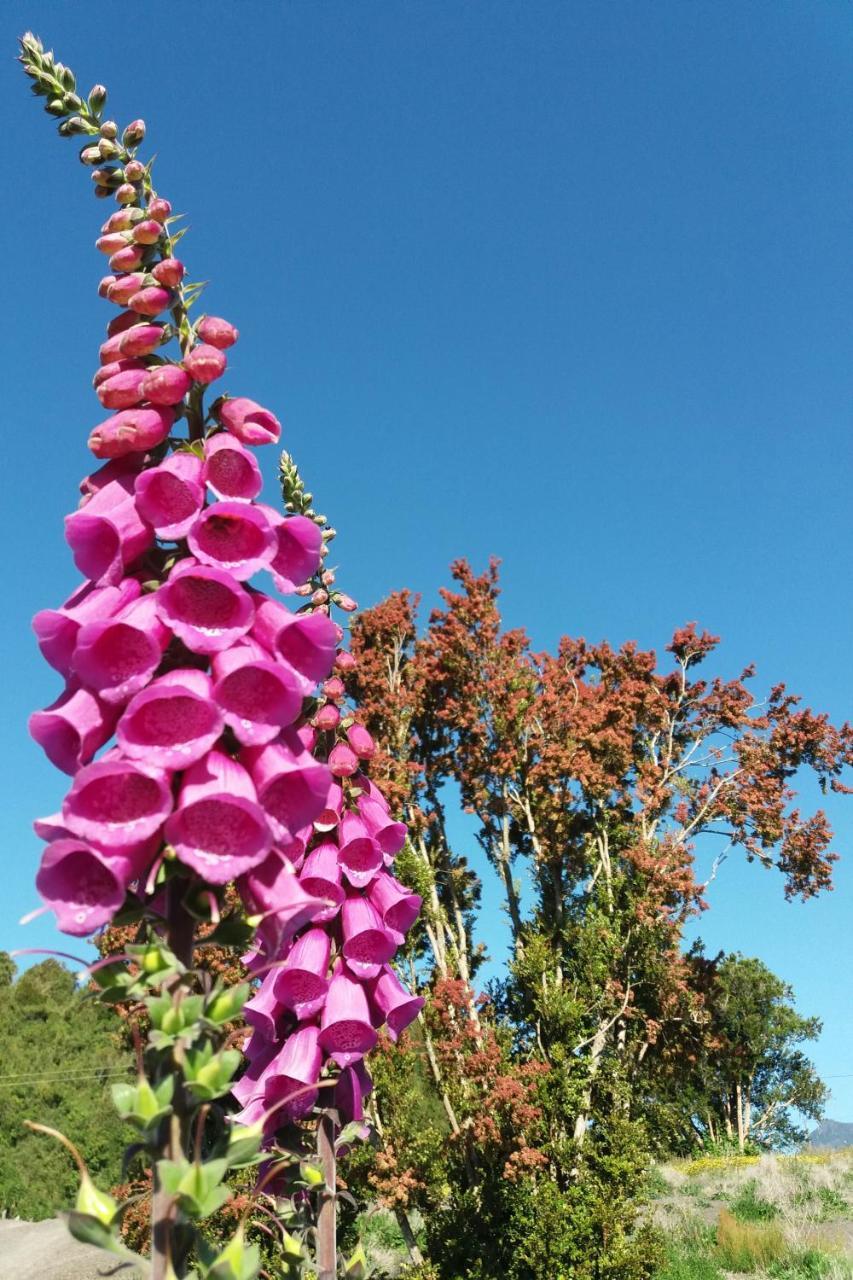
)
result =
(166, 384)
(343, 761)
(321, 877)
(296, 1065)
(233, 536)
(359, 854)
(123, 389)
(258, 697)
(150, 301)
(80, 886)
(51, 828)
(131, 431)
(367, 943)
(217, 332)
(306, 641)
(346, 1031)
(301, 983)
(298, 555)
(205, 363)
(395, 1004)
(230, 470)
(171, 495)
(218, 828)
(116, 803)
(390, 835)
(204, 607)
(169, 272)
(353, 1086)
(292, 785)
(105, 538)
(56, 629)
(263, 1012)
(118, 655)
(140, 339)
(361, 742)
(397, 905)
(331, 815)
(72, 729)
(248, 421)
(274, 890)
(172, 722)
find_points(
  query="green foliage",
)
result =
(749, 1206)
(60, 1053)
(688, 1262)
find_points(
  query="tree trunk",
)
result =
(327, 1243)
(739, 1111)
(408, 1236)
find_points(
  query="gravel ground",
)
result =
(45, 1251)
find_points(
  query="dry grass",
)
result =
(748, 1246)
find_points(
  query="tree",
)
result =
(60, 1053)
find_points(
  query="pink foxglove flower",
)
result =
(321, 876)
(205, 363)
(116, 657)
(170, 496)
(107, 533)
(218, 828)
(166, 384)
(131, 431)
(116, 803)
(397, 906)
(301, 983)
(257, 696)
(395, 1005)
(230, 470)
(72, 729)
(56, 629)
(81, 886)
(172, 722)
(292, 785)
(249, 422)
(359, 854)
(217, 332)
(306, 641)
(346, 1029)
(235, 536)
(298, 552)
(205, 607)
(367, 942)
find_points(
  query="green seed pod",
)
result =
(72, 127)
(72, 102)
(56, 107)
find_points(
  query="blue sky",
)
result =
(566, 283)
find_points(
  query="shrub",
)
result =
(749, 1206)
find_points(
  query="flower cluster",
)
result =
(203, 722)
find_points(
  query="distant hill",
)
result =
(832, 1133)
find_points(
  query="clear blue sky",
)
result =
(568, 283)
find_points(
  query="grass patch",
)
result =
(749, 1206)
(685, 1263)
(748, 1246)
(810, 1265)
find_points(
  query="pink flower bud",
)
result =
(328, 717)
(166, 384)
(134, 170)
(128, 258)
(343, 762)
(334, 689)
(131, 431)
(112, 242)
(113, 367)
(328, 577)
(125, 287)
(217, 332)
(148, 231)
(361, 742)
(121, 220)
(205, 363)
(151, 301)
(168, 272)
(134, 133)
(344, 661)
(119, 323)
(127, 194)
(140, 340)
(123, 390)
(346, 603)
(319, 596)
(248, 421)
(104, 286)
(159, 209)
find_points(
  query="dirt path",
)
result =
(45, 1251)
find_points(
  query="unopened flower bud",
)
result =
(128, 258)
(319, 596)
(205, 364)
(108, 150)
(71, 102)
(344, 661)
(166, 384)
(56, 107)
(74, 125)
(148, 231)
(361, 742)
(127, 194)
(328, 717)
(103, 192)
(141, 339)
(105, 285)
(125, 287)
(109, 129)
(151, 301)
(159, 209)
(118, 221)
(108, 177)
(217, 332)
(134, 170)
(328, 577)
(112, 242)
(303, 590)
(90, 155)
(346, 603)
(343, 762)
(97, 97)
(169, 272)
(334, 688)
(134, 133)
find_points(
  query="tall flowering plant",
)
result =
(218, 775)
